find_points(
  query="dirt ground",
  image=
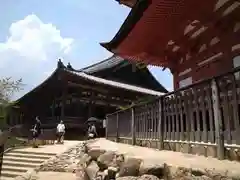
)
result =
(172, 158)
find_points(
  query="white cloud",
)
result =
(32, 49)
(170, 89)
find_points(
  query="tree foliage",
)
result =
(8, 87)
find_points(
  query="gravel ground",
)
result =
(65, 162)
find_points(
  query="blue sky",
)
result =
(34, 34)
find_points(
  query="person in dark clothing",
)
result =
(36, 131)
(92, 132)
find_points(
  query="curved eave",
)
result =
(133, 17)
(36, 88)
(128, 3)
(93, 79)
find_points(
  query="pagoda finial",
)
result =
(69, 66)
(60, 64)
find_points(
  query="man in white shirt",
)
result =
(60, 132)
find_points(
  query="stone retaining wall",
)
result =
(94, 163)
(208, 150)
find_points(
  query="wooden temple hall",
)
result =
(75, 95)
(199, 41)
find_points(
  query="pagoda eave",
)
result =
(107, 46)
(141, 31)
(128, 3)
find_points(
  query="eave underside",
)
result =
(163, 25)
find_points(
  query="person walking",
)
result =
(36, 131)
(92, 132)
(60, 132)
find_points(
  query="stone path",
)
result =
(19, 161)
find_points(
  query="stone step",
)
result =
(6, 178)
(32, 153)
(12, 154)
(25, 160)
(15, 169)
(19, 164)
(10, 174)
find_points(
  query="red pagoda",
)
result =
(195, 39)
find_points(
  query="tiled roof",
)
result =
(105, 64)
(94, 79)
(115, 63)
(116, 84)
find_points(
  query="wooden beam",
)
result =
(90, 104)
(106, 100)
(98, 89)
(53, 109)
(121, 95)
(63, 102)
(100, 102)
(97, 101)
(108, 91)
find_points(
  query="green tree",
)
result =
(8, 87)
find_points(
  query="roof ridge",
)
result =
(100, 62)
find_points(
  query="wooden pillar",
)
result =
(106, 128)
(53, 110)
(63, 102)
(133, 127)
(218, 122)
(117, 124)
(91, 105)
(20, 118)
(160, 123)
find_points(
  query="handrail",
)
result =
(179, 90)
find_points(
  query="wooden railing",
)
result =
(202, 118)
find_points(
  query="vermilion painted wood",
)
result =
(166, 20)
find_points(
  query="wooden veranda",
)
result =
(202, 118)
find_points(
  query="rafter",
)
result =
(188, 44)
